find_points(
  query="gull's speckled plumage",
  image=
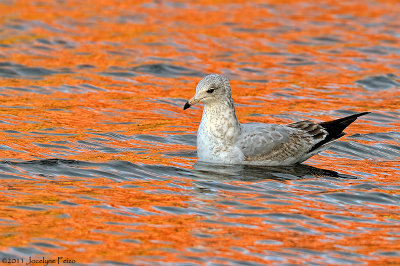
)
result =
(222, 139)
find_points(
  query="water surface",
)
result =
(98, 160)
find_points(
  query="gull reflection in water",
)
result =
(253, 173)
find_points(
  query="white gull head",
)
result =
(211, 89)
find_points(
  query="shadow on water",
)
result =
(123, 171)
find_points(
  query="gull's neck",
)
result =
(220, 120)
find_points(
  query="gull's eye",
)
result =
(210, 90)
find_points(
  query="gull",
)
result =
(222, 139)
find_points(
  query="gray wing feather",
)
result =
(271, 141)
(257, 139)
(310, 128)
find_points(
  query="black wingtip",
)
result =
(335, 128)
(187, 105)
(343, 122)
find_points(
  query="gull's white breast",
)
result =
(216, 143)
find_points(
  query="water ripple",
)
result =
(378, 83)
(12, 70)
(166, 70)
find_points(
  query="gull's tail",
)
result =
(335, 128)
